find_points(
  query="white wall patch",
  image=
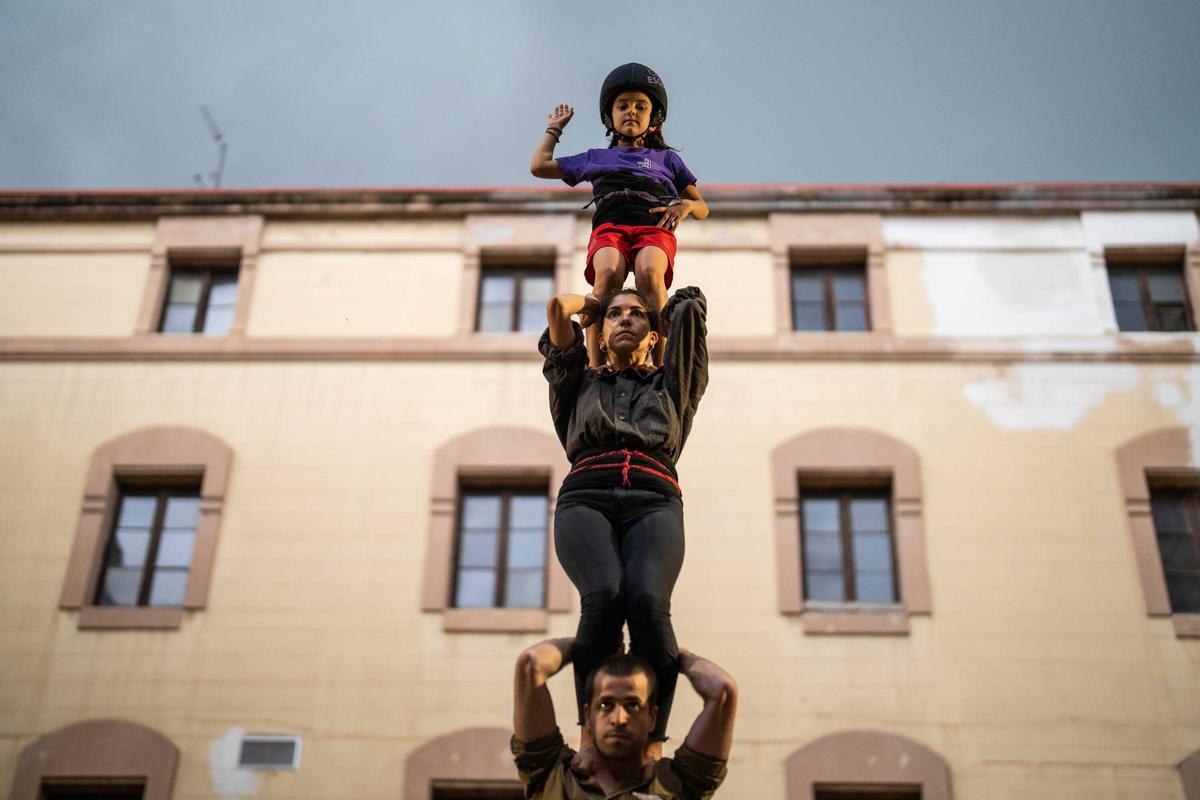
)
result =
(1052, 397)
(1183, 398)
(228, 779)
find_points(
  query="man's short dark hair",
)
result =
(622, 665)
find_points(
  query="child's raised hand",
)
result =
(560, 116)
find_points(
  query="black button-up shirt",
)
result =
(646, 410)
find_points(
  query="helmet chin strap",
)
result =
(633, 140)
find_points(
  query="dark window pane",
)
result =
(1130, 316)
(808, 288)
(872, 551)
(1124, 287)
(497, 293)
(481, 511)
(1185, 593)
(167, 587)
(848, 288)
(809, 317)
(536, 290)
(120, 586)
(497, 289)
(1169, 513)
(822, 551)
(533, 318)
(869, 514)
(102, 790)
(175, 549)
(476, 588)
(874, 587)
(528, 512)
(523, 588)
(185, 289)
(851, 317)
(137, 512)
(821, 514)
(478, 549)
(1178, 552)
(824, 586)
(182, 512)
(179, 319)
(1165, 288)
(128, 548)
(224, 290)
(526, 548)
(1172, 318)
(495, 318)
(218, 320)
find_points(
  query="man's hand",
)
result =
(712, 732)
(560, 116)
(533, 709)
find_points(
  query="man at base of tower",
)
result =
(619, 715)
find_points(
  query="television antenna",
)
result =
(215, 131)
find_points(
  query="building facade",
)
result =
(277, 477)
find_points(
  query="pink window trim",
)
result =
(846, 456)
(500, 453)
(149, 452)
(100, 749)
(1165, 456)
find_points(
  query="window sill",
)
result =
(853, 619)
(495, 620)
(114, 617)
(1187, 626)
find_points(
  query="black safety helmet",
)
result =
(633, 77)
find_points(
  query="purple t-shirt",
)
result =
(663, 166)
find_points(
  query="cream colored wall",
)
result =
(356, 294)
(1037, 676)
(61, 294)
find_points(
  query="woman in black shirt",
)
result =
(618, 524)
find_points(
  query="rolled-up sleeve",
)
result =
(563, 370)
(536, 759)
(700, 774)
(687, 353)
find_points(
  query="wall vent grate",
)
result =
(269, 752)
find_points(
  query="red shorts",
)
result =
(629, 239)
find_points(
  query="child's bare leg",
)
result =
(609, 266)
(650, 273)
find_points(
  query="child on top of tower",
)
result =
(641, 188)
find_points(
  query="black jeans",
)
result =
(622, 548)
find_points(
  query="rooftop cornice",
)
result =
(727, 199)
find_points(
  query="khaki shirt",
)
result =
(545, 767)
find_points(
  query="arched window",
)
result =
(1161, 486)
(850, 538)
(147, 534)
(861, 765)
(116, 754)
(472, 763)
(489, 557)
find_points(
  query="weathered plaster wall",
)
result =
(990, 277)
(1038, 672)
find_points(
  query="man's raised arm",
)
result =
(533, 708)
(712, 732)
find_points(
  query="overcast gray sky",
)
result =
(455, 92)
